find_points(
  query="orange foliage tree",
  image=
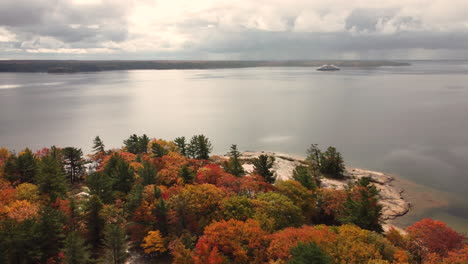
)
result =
(232, 241)
(153, 243)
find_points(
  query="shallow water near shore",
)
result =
(411, 121)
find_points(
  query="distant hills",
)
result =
(71, 66)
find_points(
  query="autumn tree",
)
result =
(74, 163)
(232, 241)
(153, 243)
(432, 236)
(300, 196)
(308, 254)
(234, 166)
(263, 166)
(275, 211)
(115, 244)
(237, 207)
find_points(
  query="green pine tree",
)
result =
(263, 166)
(75, 250)
(115, 245)
(234, 166)
(308, 254)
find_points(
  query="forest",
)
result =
(175, 202)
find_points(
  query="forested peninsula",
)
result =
(172, 201)
(72, 66)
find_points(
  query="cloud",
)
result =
(261, 29)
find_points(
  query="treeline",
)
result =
(171, 199)
(62, 66)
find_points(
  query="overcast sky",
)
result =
(233, 29)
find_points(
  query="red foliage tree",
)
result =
(432, 236)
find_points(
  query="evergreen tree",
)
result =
(158, 150)
(94, 221)
(134, 198)
(27, 166)
(234, 166)
(51, 178)
(122, 176)
(308, 254)
(314, 155)
(186, 174)
(98, 145)
(302, 174)
(148, 173)
(115, 244)
(199, 148)
(136, 144)
(263, 165)
(50, 232)
(75, 250)
(100, 184)
(363, 210)
(332, 164)
(74, 163)
(132, 144)
(182, 145)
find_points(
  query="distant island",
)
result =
(73, 66)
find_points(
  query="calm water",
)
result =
(411, 121)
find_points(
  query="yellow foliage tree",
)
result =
(153, 243)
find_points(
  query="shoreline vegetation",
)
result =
(159, 201)
(75, 66)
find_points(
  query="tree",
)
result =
(314, 155)
(186, 174)
(308, 254)
(199, 148)
(263, 165)
(237, 207)
(51, 178)
(275, 211)
(153, 243)
(94, 221)
(137, 145)
(148, 173)
(74, 163)
(98, 146)
(233, 241)
(134, 198)
(115, 244)
(22, 168)
(303, 176)
(120, 172)
(234, 166)
(158, 150)
(432, 236)
(50, 229)
(100, 184)
(331, 163)
(182, 145)
(75, 250)
(299, 195)
(362, 207)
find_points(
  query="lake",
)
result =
(409, 120)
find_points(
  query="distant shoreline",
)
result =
(75, 66)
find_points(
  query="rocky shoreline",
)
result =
(391, 198)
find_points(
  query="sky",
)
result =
(233, 29)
